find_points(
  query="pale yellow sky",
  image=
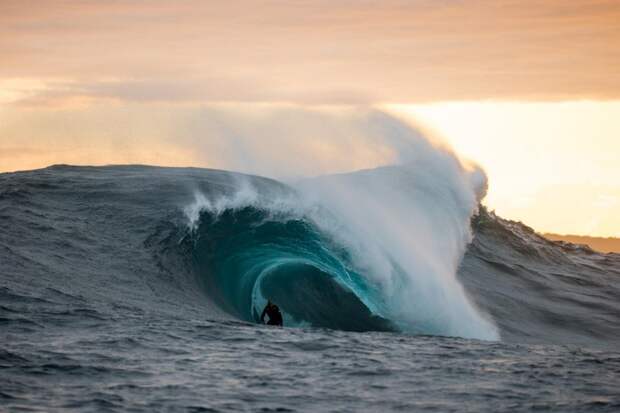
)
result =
(555, 166)
(529, 89)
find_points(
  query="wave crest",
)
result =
(327, 265)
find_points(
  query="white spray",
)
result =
(406, 220)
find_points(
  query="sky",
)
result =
(529, 89)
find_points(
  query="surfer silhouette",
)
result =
(275, 316)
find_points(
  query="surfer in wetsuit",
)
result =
(275, 316)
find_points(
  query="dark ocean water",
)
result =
(110, 300)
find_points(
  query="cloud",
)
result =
(319, 52)
(56, 93)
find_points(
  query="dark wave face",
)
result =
(542, 291)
